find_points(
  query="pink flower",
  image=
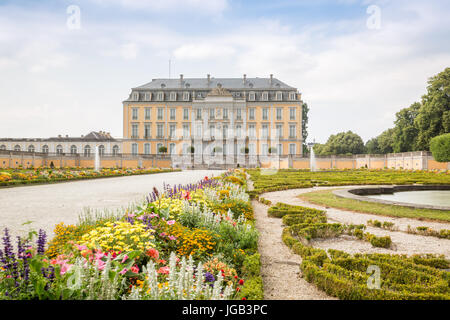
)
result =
(164, 270)
(172, 238)
(124, 259)
(153, 253)
(123, 271)
(162, 234)
(81, 248)
(131, 215)
(135, 269)
(170, 222)
(100, 264)
(64, 268)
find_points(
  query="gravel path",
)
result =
(47, 205)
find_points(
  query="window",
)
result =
(147, 148)
(238, 130)
(172, 128)
(279, 113)
(172, 113)
(279, 130)
(45, 148)
(185, 130)
(148, 96)
(73, 149)
(158, 147)
(134, 130)
(265, 96)
(59, 149)
(292, 148)
(87, 151)
(251, 131)
(292, 112)
(292, 131)
(135, 96)
(225, 113)
(101, 150)
(264, 149)
(251, 96)
(225, 131)
(199, 114)
(147, 113)
(292, 96)
(239, 114)
(198, 130)
(265, 114)
(147, 131)
(185, 96)
(134, 149)
(135, 114)
(160, 130)
(251, 114)
(279, 96)
(173, 96)
(31, 148)
(160, 96)
(17, 148)
(279, 149)
(2, 147)
(172, 148)
(251, 149)
(160, 113)
(265, 131)
(115, 150)
(212, 113)
(186, 114)
(212, 131)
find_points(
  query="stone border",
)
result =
(361, 193)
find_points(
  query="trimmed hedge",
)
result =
(253, 285)
(440, 147)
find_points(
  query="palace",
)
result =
(213, 116)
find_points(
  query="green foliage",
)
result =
(405, 132)
(305, 110)
(440, 147)
(340, 144)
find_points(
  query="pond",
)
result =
(426, 197)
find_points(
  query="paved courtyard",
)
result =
(47, 205)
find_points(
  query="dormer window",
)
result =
(173, 96)
(265, 96)
(251, 96)
(292, 95)
(279, 96)
(148, 96)
(160, 96)
(185, 96)
(135, 96)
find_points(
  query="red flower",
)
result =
(241, 282)
(235, 277)
(135, 269)
(206, 178)
(238, 289)
(244, 298)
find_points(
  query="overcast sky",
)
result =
(355, 64)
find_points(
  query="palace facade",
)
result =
(213, 116)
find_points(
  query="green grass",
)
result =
(327, 198)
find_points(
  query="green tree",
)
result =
(440, 147)
(434, 114)
(305, 110)
(386, 141)
(405, 131)
(341, 143)
(372, 146)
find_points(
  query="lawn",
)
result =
(327, 198)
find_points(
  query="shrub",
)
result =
(440, 147)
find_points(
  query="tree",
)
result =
(341, 143)
(405, 131)
(372, 146)
(440, 147)
(162, 149)
(386, 141)
(305, 110)
(434, 114)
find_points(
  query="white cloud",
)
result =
(129, 51)
(208, 50)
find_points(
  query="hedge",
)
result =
(440, 147)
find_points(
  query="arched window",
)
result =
(2, 147)
(45, 148)
(16, 147)
(87, 151)
(73, 149)
(134, 149)
(147, 148)
(101, 150)
(59, 149)
(115, 150)
(31, 148)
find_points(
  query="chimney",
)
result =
(181, 78)
(271, 79)
(245, 79)
(209, 78)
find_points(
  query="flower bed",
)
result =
(347, 276)
(14, 177)
(177, 245)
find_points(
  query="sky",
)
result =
(66, 66)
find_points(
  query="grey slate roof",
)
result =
(227, 83)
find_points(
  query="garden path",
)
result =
(50, 204)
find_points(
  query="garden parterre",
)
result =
(185, 242)
(14, 177)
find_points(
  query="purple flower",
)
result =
(209, 277)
